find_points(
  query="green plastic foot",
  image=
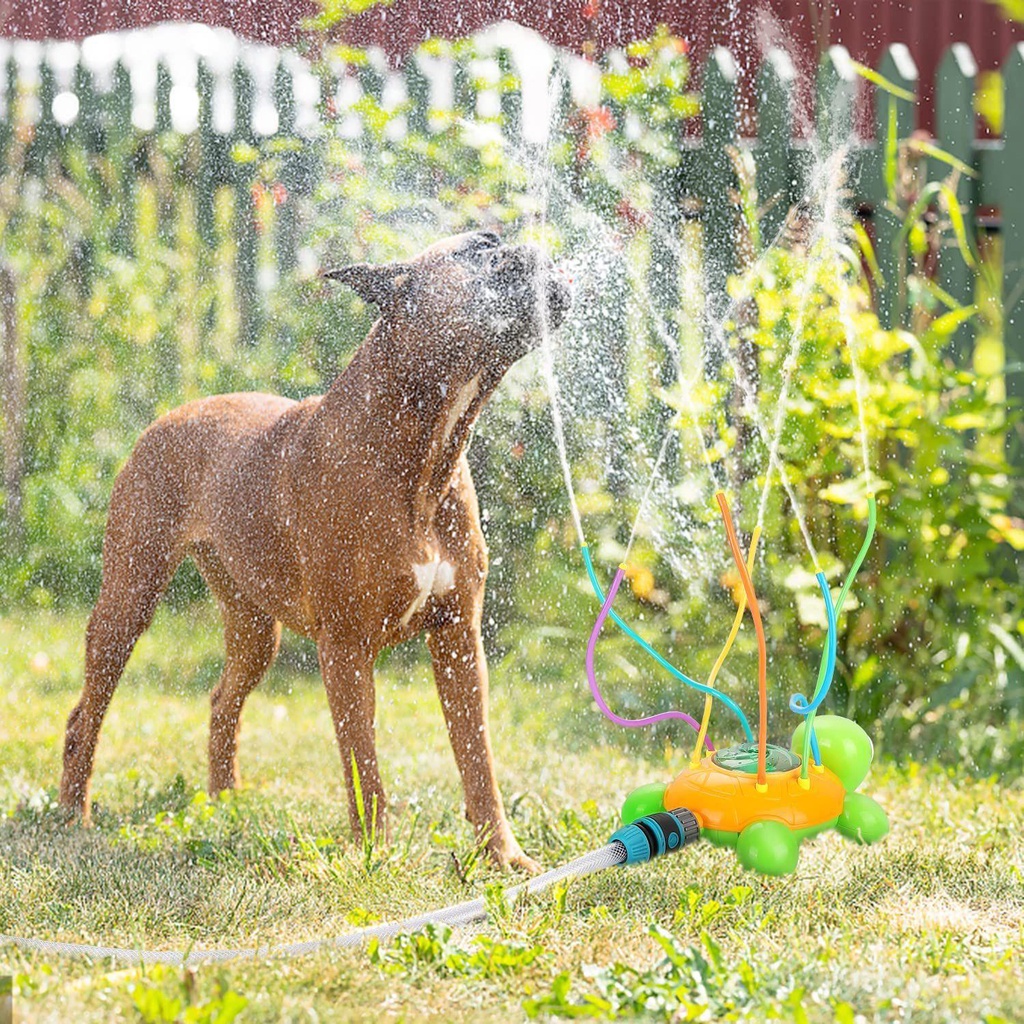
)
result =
(769, 848)
(644, 800)
(862, 820)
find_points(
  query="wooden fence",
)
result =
(992, 196)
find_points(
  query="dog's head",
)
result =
(483, 301)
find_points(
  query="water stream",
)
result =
(822, 197)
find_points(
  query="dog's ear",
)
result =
(376, 283)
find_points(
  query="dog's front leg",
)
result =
(460, 672)
(347, 669)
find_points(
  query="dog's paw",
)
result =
(509, 854)
(73, 815)
(525, 864)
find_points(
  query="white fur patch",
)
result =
(433, 577)
(463, 400)
(444, 579)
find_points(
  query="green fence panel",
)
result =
(464, 90)
(9, 120)
(895, 120)
(283, 95)
(835, 93)
(117, 106)
(612, 105)
(328, 105)
(165, 181)
(164, 84)
(510, 96)
(208, 158)
(559, 92)
(120, 137)
(371, 83)
(954, 127)
(1013, 248)
(287, 222)
(560, 89)
(245, 97)
(46, 137)
(243, 172)
(718, 180)
(371, 80)
(663, 286)
(417, 90)
(776, 187)
(87, 130)
(835, 97)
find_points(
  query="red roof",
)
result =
(274, 23)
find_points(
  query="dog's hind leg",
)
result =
(140, 554)
(251, 639)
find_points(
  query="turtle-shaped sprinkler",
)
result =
(757, 797)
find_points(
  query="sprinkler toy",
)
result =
(759, 798)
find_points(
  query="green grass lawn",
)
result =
(926, 926)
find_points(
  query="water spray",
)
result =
(759, 798)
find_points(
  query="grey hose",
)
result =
(459, 914)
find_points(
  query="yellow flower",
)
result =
(641, 581)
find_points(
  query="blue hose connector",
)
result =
(654, 834)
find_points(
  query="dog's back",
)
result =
(210, 478)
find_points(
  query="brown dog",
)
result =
(351, 518)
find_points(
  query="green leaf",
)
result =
(865, 672)
(1010, 645)
(928, 149)
(989, 100)
(243, 153)
(1009, 529)
(867, 250)
(850, 491)
(938, 293)
(966, 421)
(916, 211)
(943, 326)
(882, 82)
(956, 218)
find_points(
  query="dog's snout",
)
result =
(559, 296)
(559, 293)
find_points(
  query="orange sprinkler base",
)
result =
(729, 801)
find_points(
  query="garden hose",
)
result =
(644, 839)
